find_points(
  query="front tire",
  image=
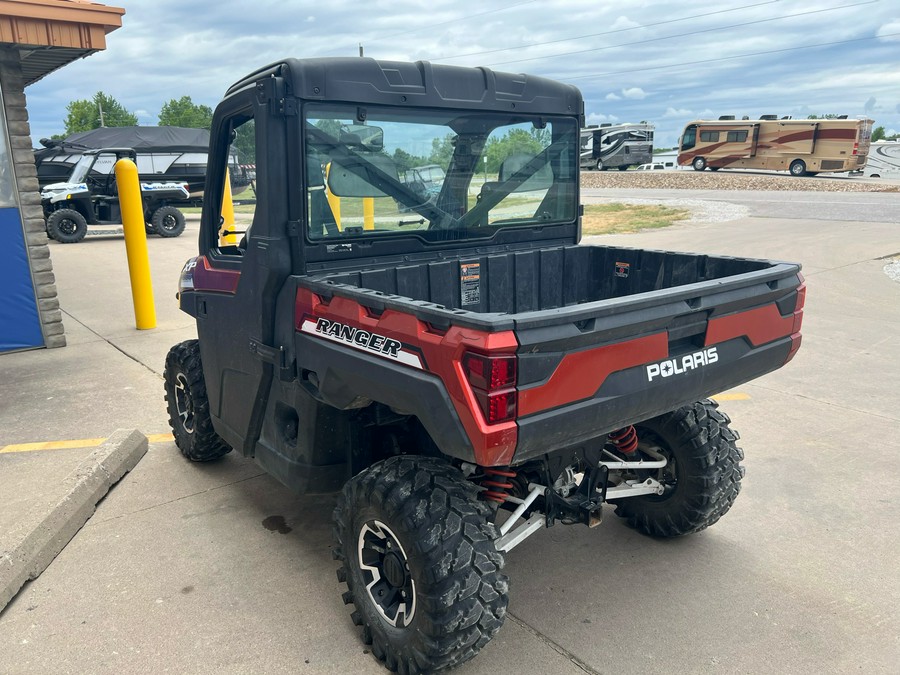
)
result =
(167, 221)
(699, 164)
(702, 479)
(67, 226)
(798, 168)
(417, 553)
(188, 406)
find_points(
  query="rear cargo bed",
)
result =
(605, 336)
(488, 291)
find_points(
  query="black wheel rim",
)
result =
(67, 226)
(184, 405)
(385, 571)
(169, 223)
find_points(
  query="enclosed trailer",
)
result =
(884, 160)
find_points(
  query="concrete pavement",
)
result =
(218, 569)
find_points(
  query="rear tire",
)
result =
(417, 553)
(798, 168)
(67, 226)
(699, 164)
(702, 479)
(167, 221)
(188, 405)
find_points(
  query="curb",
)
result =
(32, 546)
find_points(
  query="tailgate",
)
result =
(590, 369)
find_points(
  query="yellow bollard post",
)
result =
(229, 239)
(333, 200)
(136, 244)
(368, 213)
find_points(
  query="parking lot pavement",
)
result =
(216, 568)
(207, 568)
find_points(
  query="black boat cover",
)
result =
(149, 139)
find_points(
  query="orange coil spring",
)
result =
(626, 440)
(495, 487)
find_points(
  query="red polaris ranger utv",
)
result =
(452, 361)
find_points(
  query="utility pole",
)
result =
(360, 49)
(100, 105)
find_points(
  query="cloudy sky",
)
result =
(656, 60)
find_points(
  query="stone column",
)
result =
(30, 197)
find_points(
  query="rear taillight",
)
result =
(856, 148)
(798, 320)
(493, 381)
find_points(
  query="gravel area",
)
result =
(892, 269)
(688, 179)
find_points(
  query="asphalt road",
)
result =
(218, 569)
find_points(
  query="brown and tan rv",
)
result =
(803, 147)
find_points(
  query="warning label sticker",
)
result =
(470, 283)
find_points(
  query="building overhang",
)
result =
(50, 34)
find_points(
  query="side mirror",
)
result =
(541, 179)
(362, 137)
(358, 179)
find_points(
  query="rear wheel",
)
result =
(600, 166)
(188, 406)
(702, 478)
(699, 164)
(67, 226)
(798, 168)
(167, 221)
(417, 553)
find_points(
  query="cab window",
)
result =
(239, 197)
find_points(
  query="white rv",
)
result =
(884, 160)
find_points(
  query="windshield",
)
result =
(80, 170)
(436, 174)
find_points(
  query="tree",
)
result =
(405, 161)
(878, 134)
(442, 150)
(98, 111)
(516, 141)
(183, 112)
(245, 142)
